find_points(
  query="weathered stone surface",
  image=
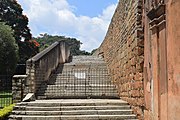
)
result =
(40, 67)
(73, 109)
(123, 50)
(19, 89)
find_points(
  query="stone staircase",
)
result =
(73, 109)
(83, 77)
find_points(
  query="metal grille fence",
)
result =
(5, 91)
(80, 82)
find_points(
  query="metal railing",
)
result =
(79, 83)
(5, 90)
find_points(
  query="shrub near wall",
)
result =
(123, 50)
(4, 113)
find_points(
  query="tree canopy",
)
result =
(11, 14)
(8, 50)
(46, 40)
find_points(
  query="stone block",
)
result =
(138, 85)
(135, 93)
(138, 76)
(147, 115)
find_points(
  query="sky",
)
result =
(85, 20)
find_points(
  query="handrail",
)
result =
(40, 67)
(44, 52)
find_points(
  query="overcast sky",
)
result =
(86, 20)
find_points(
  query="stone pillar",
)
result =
(19, 89)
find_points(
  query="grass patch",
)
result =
(6, 111)
(5, 99)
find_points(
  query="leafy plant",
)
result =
(6, 111)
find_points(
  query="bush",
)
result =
(6, 111)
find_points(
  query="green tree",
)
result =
(11, 13)
(8, 50)
(46, 40)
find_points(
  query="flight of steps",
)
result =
(83, 77)
(73, 109)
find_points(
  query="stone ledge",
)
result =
(19, 76)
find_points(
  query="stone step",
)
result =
(86, 61)
(80, 85)
(86, 64)
(73, 109)
(79, 90)
(70, 96)
(79, 66)
(68, 108)
(73, 117)
(74, 102)
(88, 77)
(74, 112)
(96, 83)
(69, 86)
(98, 79)
(78, 94)
(79, 82)
(82, 66)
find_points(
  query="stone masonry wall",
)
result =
(19, 88)
(123, 50)
(38, 70)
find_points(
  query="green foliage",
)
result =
(46, 40)
(6, 111)
(11, 14)
(8, 50)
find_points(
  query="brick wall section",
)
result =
(123, 50)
